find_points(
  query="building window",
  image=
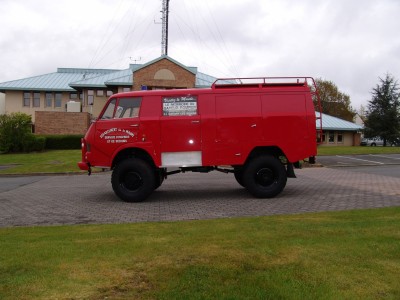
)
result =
(126, 89)
(340, 138)
(36, 99)
(109, 112)
(49, 100)
(109, 93)
(27, 99)
(331, 137)
(90, 98)
(73, 96)
(100, 93)
(57, 101)
(321, 137)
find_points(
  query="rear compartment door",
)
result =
(180, 126)
(239, 127)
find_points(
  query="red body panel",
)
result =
(227, 124)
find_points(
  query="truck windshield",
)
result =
(128, 107)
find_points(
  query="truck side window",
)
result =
(128, 107)
(109, 112)
(180, 106)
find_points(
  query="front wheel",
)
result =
(133, 180)
(238, 173)
(264, 176)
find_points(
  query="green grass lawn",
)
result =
(336, 255)
(354, 150)
(41, 162)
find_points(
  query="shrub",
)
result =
(62, 142)
(15, 132)
(33, 143)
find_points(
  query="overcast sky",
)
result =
(349, 42)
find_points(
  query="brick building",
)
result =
(89, 89)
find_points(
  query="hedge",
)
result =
(62, 142)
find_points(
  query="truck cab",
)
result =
(259, 129)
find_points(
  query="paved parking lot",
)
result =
(359, 160)
(80, 199)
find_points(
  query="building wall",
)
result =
(51, 122)
(349, 138)
(14, 103)
(2, 104)
(163, 74)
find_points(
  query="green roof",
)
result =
(333, 123)
(58, 81)
(118, 77)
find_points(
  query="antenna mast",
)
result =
(164, 35)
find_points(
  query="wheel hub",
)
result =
(265, 177)
(132, 181)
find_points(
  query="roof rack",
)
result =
(260, 82)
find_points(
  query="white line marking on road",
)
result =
(371, 161)
(385, 156)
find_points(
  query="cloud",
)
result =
(351, 43)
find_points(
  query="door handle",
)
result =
(195, 121)
(253, 126)
(134, 125)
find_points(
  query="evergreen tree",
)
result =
(383, 117)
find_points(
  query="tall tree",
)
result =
(334, 102)
(383, 117)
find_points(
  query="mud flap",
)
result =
(290, 171)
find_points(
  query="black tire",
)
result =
(133, 180)
(238, 172)
(264, 176)
(373, 145)
(159, 178)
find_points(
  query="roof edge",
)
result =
(192, 70)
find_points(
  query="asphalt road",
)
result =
(13, 182)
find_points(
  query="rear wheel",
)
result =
(133, 180)
(264, 176)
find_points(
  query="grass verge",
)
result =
(336, 255)
(354, 150)
(41, 162)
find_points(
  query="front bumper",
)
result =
(84, 166)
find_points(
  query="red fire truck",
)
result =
(259, 129)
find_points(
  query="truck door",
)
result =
(118, 125)
(238, 127)
(180, 132)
